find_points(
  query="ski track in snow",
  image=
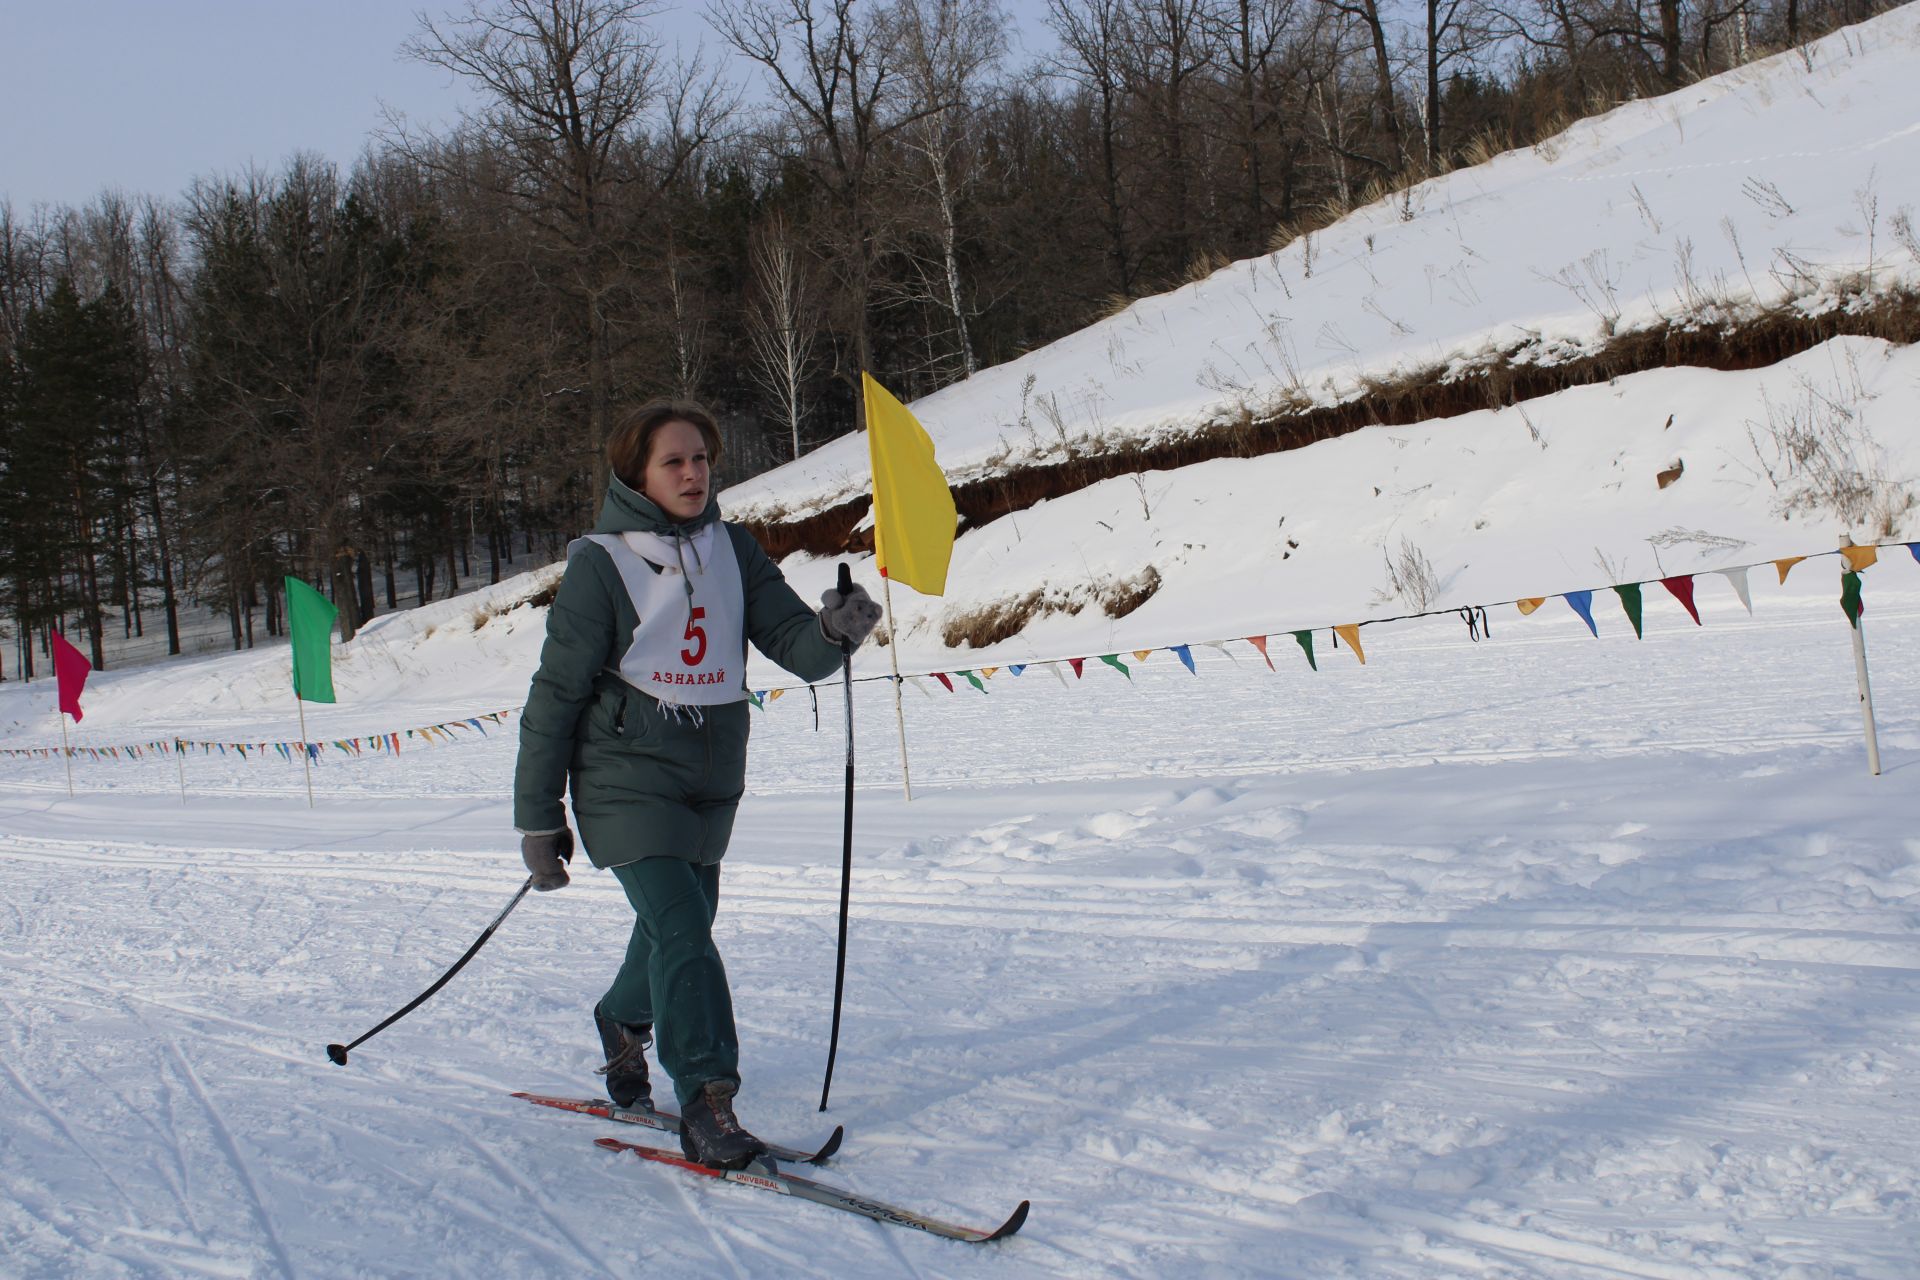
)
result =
(1531, 957)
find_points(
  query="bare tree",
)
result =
(570, 88)
(1367, 14)
(1091, 48)
(949, 48)
(1455, 31)
(783, 322)
(1249, 35)
(1167, 55)
(835, 75)
(687, 325)
(1643, 26)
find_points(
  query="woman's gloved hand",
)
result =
(848, 618)
(546, 855)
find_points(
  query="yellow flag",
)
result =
(913, 514)
(1861, 558)
(1528, 606)
(1784, 565)
(1350, 632)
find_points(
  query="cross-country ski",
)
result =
(667, 1122)
(767, 1177)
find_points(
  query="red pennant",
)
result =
(1260, 643)
(70, 670)
(941, 676)
(1682, 590)
(1076, 664)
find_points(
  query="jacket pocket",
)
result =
(617, 718)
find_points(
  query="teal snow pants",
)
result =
(672, 977)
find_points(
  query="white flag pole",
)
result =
(1860, 672)
(180, 758)
(306, 757)
(66, 750)
(893, 653)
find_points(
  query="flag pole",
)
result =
(306, 757)
(893, 654)
(180, 758)
(66, 750)
(1860, 675)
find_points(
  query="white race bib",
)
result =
(685, 650)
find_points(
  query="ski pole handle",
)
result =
(844, 586)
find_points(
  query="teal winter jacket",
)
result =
(644, 783)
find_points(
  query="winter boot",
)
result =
(626, 1069)
(711, 1134)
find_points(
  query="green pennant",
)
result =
(973, 680)
(1630, 598)
(1306, 644)
(1113, 660)
(310, 618)
(1850, 602)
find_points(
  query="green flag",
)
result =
(1306, 645)
(1629, 594)
(310, 618)
(1850, 602)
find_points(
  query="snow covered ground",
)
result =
(1542, 956)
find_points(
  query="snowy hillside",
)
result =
(1512, 952)
(1790, 179)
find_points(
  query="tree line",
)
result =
(394, 381)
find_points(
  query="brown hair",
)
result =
(632, 442)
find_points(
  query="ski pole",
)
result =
(845, 585)
(338, 1052)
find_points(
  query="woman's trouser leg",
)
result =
(672, 958)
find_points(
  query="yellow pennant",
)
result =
(774, 695)
(1350, 632)
(988, 671)
(1528, 606)
(1861, 557)
(1784, 565)
(1140, 655)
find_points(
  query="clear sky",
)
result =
(145, 95)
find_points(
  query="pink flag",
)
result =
(70, 669)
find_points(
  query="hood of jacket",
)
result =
(626, 510)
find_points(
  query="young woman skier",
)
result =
(639, 711)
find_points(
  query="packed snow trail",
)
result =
(1543, 956)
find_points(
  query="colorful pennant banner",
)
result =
(1681, 587)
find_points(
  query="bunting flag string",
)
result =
(385, 741)
(1680, 586)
